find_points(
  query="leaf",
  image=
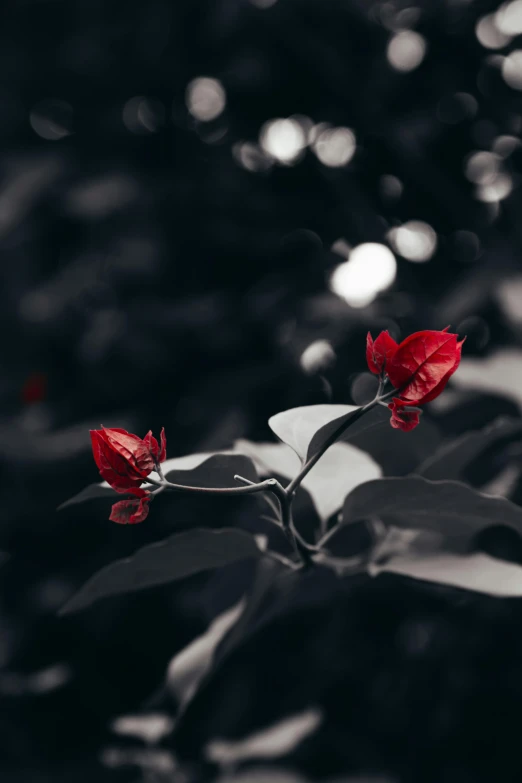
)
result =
(188, 668)
(306, 429)
(376, 417)
(446, 507)
(398, 453)
(150, 728)
(92, 492)
(450, 460)
(179, 556)
(500, 373)
(218, 471)
(476, 572)
(276, 741)
(271, 579)
(339, 470)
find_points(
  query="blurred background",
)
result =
(204, 206)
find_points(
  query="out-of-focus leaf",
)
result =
(276, 741)
(306, 429)
(188, 667)
(477, 572)
(500, 373)
(92, 492)
(150, 727)
(177, 557)
(339, 470)
(264, 774)
(449, 461)
(217, 471)
(446, 507)
(188, 461)
(271, 579)
(270, 458)
(398, 453)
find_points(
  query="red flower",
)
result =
(379, 353)
(403, 418)
(422, 365)
(130, 512)
(419, 368)
(123, 459)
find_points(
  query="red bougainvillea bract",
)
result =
(419, 368)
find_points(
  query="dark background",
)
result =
(162, 269)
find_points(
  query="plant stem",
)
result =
(335, 435)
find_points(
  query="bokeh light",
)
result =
(496, 190)
(414, 240)
(250, 156)
(512, 69)
(508, 18)
(391, 187)
(509, 294)
(52, 119)
(317, 357)
(205, 98)
(406, 50)
(488, 33)
(464, 246)
(143, 115)
(335, 146)
(456, 107)
(283, 139)
(482, 167)
(370, 269)
(505, 145)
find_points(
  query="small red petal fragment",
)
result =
(163, 441)
(369, 355)
(34, 388)
(403, 418)
(152, 444)
(130, 512)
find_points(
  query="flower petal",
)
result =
(130, 512)
(422, 363)
(163, 441)
(380, 352)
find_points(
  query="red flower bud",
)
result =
(130, 512)
(403, 418)
(380, 352)
(422, 364)
(123, 459)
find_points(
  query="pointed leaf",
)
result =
(218, 471)
(92, 492)
(376, 417)
(477, 572)
(446, 507)
(276, 741)
(339, 470)
(450, 460)
(188, 668)
(306, 429)
(177, 557)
